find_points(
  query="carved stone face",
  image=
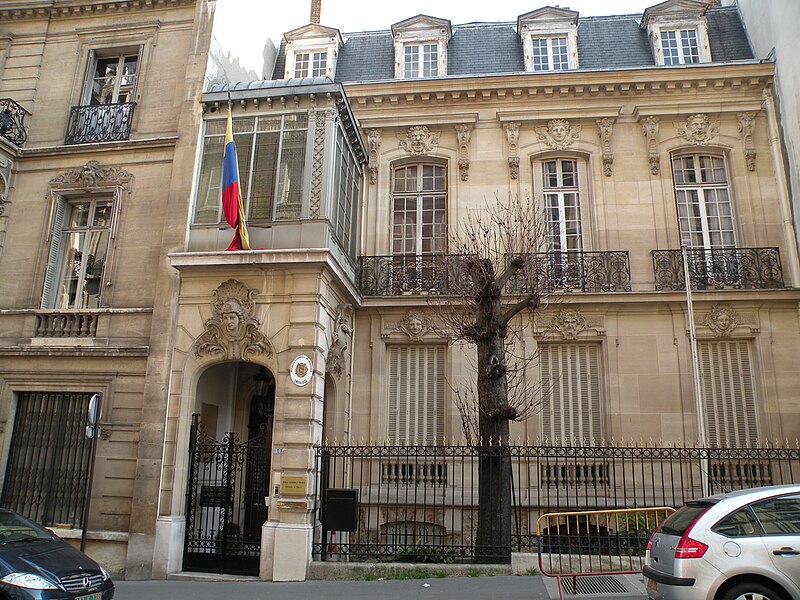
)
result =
(559, 130)
(724, 321)
(418, 136)
(231, 321)
(415, 325)
(697, 127)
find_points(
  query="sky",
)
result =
(242, 26)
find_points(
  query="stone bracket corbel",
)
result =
(373, 143)
(463, 133)
(605, 128)
(747, 123)
(650, 128)
(512, 136)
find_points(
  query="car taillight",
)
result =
(688, 547)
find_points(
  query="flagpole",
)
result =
(697, 384)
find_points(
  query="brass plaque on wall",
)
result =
(293, 486)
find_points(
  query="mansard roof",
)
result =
(606, 43)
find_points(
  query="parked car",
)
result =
(742, 545)
(35, 564)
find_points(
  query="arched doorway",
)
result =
(230, 450)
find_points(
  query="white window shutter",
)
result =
(416, 394)
(54, 255)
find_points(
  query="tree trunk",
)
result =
(493, 543)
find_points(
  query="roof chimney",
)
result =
(316, 10)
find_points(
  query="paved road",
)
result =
(506, 587)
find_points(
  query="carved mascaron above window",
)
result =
(91, 175)
(722, 320)
(418, 140)
(232, 333)
(697, 129)
(570, 323)
(559, 134)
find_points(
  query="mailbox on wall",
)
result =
(341, 509)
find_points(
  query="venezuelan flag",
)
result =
(231, 194)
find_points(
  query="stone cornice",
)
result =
(94, 149)
(47, 9)
(742, 77)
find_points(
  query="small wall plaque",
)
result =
(293, 486)
(301, 370)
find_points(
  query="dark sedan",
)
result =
(38, 565)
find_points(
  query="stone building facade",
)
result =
(359, 160)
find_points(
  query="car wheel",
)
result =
(752, 591)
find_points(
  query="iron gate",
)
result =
(225, 502)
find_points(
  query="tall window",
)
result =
(728, 393)
(560, 191)
(680, 46)
(313, 64)
(346, 187)
(571, 391)
(271, 153)
(47, 469)
(416, 394)
(703, 201)
(79, 245)
(550, 53)
(419, 206)
(112, 79)
(421, 60)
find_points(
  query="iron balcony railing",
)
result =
(445, 274)
(719, 268)
(101, 123)
(12, 121)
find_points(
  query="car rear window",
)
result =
(678, 522)
(740, 523)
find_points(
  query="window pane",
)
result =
(550, 172)
(265, 167)
(290, 175)
(412, 61)
(540, 55)
(430, 60)
(301, 61)
(320, 64)
(689, 46)
(79, 214)
(669, 45)
(207, 209)
(779, 516)
(560, 54)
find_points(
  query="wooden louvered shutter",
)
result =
(416, 394)
(54, 255)
(571, 390)
(728, 393)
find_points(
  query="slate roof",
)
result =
(612, 42)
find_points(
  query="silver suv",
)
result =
(743, 545)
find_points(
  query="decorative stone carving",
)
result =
(512, 136)
(569, 323)
(415, 325)
(604, 129)
(650, 127)
(418, 140)
(747, 122)
(697, 129)
(233, 332)
(91, 175)
(559, 134)
(317, 159)
(463, 134)
(341, 338)
(5, 177)
(722, 320)
(373, 142)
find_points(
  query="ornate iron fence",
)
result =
(419, 503)
(12, 121)
(101, 123)
(444, 274)
(719, 268)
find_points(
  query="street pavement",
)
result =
(498, 587)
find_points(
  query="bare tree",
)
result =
(494, 280)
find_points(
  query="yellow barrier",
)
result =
(595, 542)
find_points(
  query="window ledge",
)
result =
(94, 148)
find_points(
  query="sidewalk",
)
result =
(497, 587)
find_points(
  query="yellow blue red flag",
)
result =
(231, 193)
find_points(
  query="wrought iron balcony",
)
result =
(719, 268)
(438, 274)
(12, 121)
(101, 123)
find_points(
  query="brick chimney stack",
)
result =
(316, 10)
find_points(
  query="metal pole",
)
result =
(697, 384)
(95, 405)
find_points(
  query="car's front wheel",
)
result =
(752, 591)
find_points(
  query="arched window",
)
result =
(559, 183)
(419, 209)
(702, 195)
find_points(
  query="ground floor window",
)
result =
(48, 460)
(416, 394)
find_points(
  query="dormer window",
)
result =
(421, 60)
(679, 46)
(420, 47)
(549, 39)
(678, 32)
(311, 51)
(310, 64)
